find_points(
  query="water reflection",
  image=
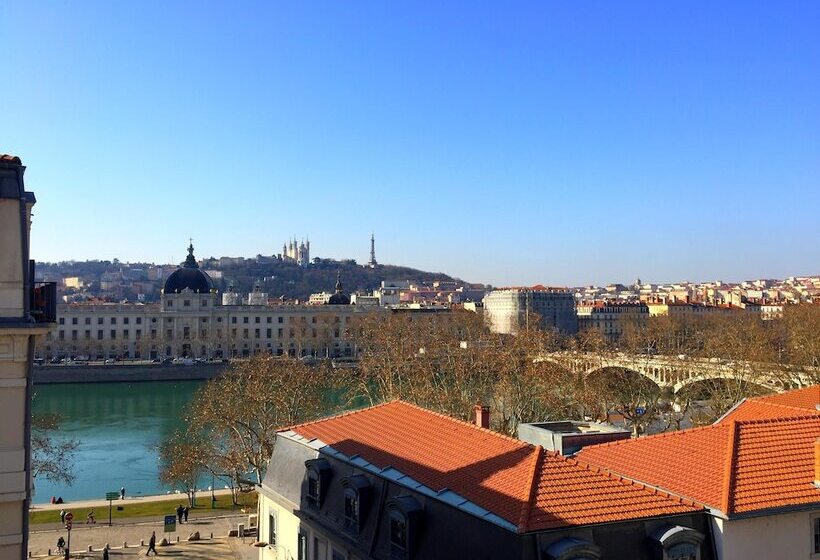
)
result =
(118, 426)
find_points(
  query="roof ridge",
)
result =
(466, 423)
(727, 499)
(334, 416)
(811, 415)
(526, 508)
(655, 436)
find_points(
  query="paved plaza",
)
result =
(131, 533)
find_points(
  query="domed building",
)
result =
(339, 297)
(189, 277)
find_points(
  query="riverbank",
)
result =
(140, 506)
(125, 372)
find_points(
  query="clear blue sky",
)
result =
(510, 143)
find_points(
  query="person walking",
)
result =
(62, 516)
(185, 514)
(105, 553)
(90, 517)
(180, 511)
(122, 493)
(152, 544)
(60, 544)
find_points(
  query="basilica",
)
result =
(192, 320)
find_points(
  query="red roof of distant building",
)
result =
(733, 466)
(800, 402)
(530, 488)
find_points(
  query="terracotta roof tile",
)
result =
(523, 484)
(807, 398)
(734, 466)
(800, 402)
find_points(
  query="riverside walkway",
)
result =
(129, 500)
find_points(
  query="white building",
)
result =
(509, 309)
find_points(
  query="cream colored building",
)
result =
(609, 318)
(192, 321)
(26, 311)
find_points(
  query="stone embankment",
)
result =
(112, 373)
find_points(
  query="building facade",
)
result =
(191, 320)
(27, 311)
(296, 251)
(611, 318)
(509, 309)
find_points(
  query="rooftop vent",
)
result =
(568, 436)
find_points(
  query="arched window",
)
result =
(317, 477)
(571, 548)
(356, 502)
(674, 542)
(404, 518)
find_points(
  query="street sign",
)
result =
(68, 517)
(112, 496)
(68, 526)
(170, 523)
(640, 411)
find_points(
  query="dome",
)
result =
(189, 277)
(339, 298)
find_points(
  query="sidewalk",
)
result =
(98, 535)
(98, 504)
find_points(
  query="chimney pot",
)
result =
(482, 416)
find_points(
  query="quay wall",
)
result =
(98, 373)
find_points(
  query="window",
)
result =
(139, 320)
(302, 544)
(256, 333)
(268, 319)
(816, 534)
(351, 511)
(318, 474)
(88, 320)
(233, 320)
(62, 320)
(404, 515)
(73, 320)
(113, 334)
(204, 303)
(99, 334)
(675, 542)
(186, 332)
(280, 320)
(169, 303)
(256, 319)
(99, 320)
(572, 548)
(267, 333)
(245, 320)
(125, 333)
(398, 535)
(125, 320)
(88, 335)
(113, 320)
(272, 529)
(186, 303)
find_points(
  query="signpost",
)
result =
(111, 496)
(170, 523)
(68, 517)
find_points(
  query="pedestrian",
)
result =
(60, 544)
(105, 553)
(152, 544)
(185, 514)
(122, 493)
(62, 516)
(90, 517)
(180, 511)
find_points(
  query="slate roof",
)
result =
(525, 485)
(735, 466)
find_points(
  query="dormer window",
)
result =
(318, 476)
(404, 518)
(572, 548)
(357, 491)
(674, 542)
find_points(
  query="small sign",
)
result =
(68, 517)
(170, 523)
(640, 411)
(68, 526)
(112, 496)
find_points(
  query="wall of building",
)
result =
(94, 373)
(787, 536)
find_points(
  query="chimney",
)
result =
(482, 419)
(817, 462)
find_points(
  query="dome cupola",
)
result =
(189, 277)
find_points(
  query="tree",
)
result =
(51, 458)
(181, 461)
(240, 412)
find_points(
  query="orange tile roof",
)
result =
(734, 466)
(800, 402)
(521, 483)
(807, 398)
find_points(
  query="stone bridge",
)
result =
(677, 372)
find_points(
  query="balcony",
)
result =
(43, 302)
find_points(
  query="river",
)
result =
(118, 426)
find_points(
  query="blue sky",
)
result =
(510, 143)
